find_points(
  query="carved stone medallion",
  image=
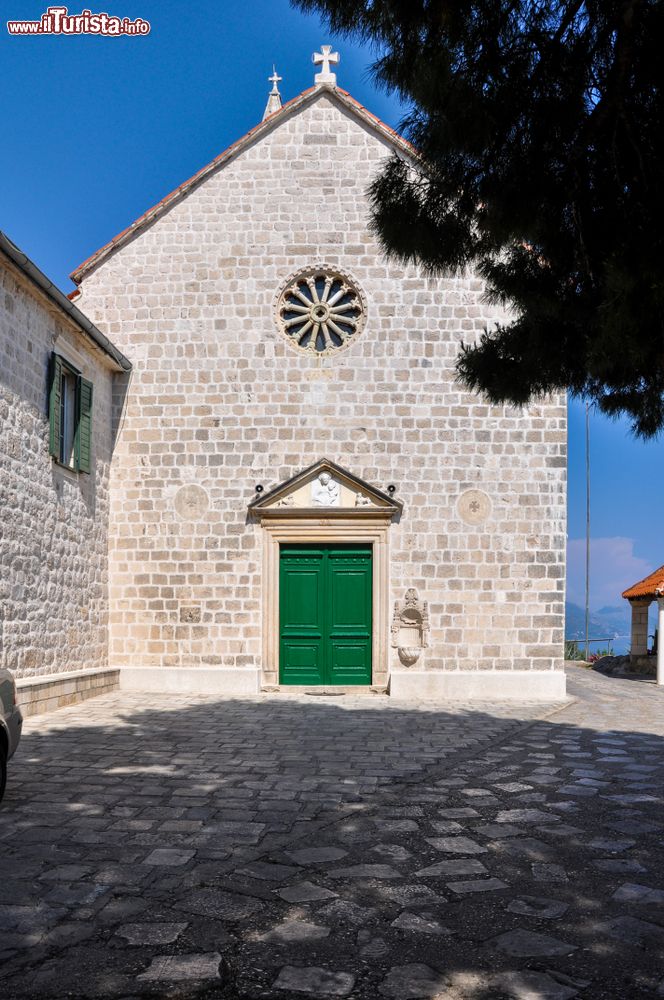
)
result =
(191, 502)
(474, 507)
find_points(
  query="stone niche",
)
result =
(410, 627)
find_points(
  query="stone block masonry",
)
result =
(221, 401)
(38, 695)
(53, 521)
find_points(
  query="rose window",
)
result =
(320, 311)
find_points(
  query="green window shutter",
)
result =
(55, 405)
(83, 443)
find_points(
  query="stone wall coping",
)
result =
(70, 675)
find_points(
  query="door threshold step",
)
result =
(325, 694)
(324, 691)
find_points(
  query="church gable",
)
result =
(343, 103)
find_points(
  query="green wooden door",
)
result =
(325, 614)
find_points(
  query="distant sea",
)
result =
(612, 623)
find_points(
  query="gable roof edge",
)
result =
(344, 98)
(651, 586)
(29, 270)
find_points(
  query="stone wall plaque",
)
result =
(474, 507)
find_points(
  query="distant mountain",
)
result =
(616, 617)
(608, 622)
(575, 622)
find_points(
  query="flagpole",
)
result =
(587, 524)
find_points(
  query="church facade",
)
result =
(300, 493)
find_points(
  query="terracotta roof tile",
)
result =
(651, 586)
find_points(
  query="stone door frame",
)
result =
(346, 530)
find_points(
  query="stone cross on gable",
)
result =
(274, 97)
(274, 80)
(324, 58)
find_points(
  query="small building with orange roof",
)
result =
(640, 596)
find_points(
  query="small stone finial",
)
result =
(274, 99)
(324, 58)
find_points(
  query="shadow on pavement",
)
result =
(292, 848)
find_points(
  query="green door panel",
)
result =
(325, 607)
(350, 598)
(303, 596)
(301, 608)
(348, 661)
(302, 661)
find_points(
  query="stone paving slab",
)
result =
(255, 848)
(182, 968)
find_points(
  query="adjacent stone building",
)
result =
(54, 486)
(300, 492)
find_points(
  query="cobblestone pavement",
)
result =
(337, 847)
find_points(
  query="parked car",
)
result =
(11, 721)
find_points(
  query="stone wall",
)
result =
(39, 695)
(53, 522)
(220, 400)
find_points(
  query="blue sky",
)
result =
(96, 130)
(627, 484)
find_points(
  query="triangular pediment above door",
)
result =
(325, 489)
